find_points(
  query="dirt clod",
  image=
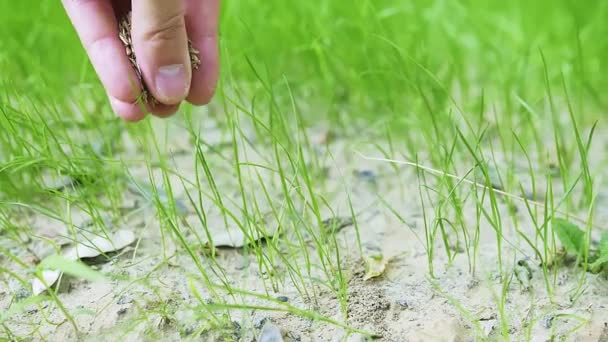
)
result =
(367, 305)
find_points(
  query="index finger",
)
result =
(96, 25)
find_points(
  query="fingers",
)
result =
(129, 111)
(202, 23)
(164, 111)
(96, 25)
(159, 34)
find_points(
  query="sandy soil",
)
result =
(155, 300)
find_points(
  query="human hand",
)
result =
(160, 33)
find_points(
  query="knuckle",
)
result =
(169, 29)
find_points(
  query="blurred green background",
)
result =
(371, 57)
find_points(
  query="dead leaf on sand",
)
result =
(49, 276)
(375, 265)
(235, 236)
(85, 249)
(100, 245)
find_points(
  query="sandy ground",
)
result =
(155, 300)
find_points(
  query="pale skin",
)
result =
(160, 33)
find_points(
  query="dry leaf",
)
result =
(100, 244)
(375, 265)
(234, 237)
(49, 276)
(86, 249)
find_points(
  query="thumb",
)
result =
(161, 43)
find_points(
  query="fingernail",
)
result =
(172, 83)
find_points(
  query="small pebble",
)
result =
(366, 175)
(283, 299)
